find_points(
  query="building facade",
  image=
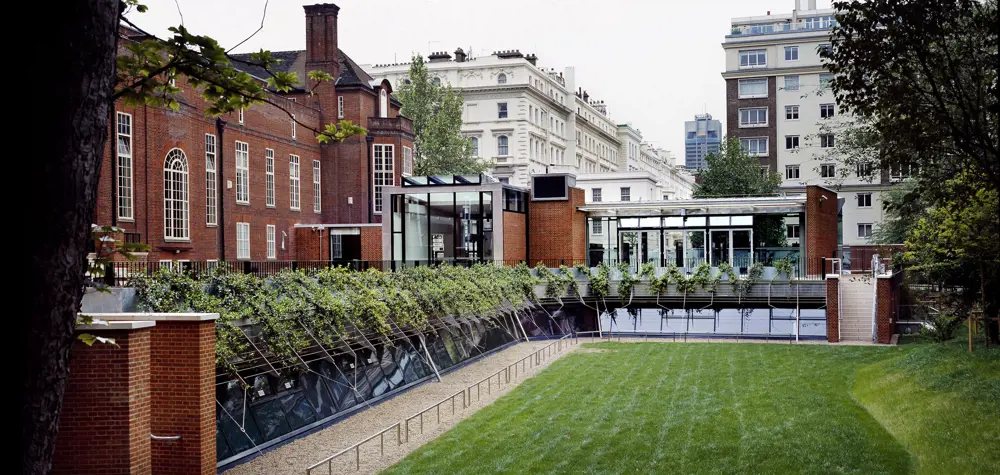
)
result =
(702, 136)
(249, 185)
(522, 118)
(780, 107)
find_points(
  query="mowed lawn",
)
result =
(737, 408)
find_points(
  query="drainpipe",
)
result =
(145, 146)
(220, 130)
(371, 180)
(113, 145)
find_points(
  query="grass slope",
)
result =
(942, 403)
(678, 408)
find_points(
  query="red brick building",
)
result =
(249, 185)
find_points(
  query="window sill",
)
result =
(295, 209)
(270, 206)
(126, 220)
(243, 203)
(211, 225)
(177, 240)
(753, 97)
(752, 126)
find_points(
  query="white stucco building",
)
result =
(780, 107)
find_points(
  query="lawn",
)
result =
(736, 408)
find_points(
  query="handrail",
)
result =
(536, 358)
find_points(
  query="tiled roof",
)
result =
(294, 61)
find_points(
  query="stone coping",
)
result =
(156, 317)
(117, 325)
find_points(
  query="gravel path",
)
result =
(294, 457)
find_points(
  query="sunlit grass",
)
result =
(731, 408)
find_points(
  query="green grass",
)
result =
(736, 408)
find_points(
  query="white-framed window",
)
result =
(211, 179)
(863, 169)
(383, 103)
(271, 251)
(755, 146)
(501, 78)
(317, 193)
(125, 198)
(176, 203)
(597, 227)
(791, 112)
(626, 193)
(382, 172)
(828, 170)
(791, 172)
(242, 240)
(475, 146)
(824, 80)
(241, 116)
(754, 58)
(793, 231)
(750, 88)
(294, 182)
(791, 83)
(826, 141)
(791, 142)
(502, 110)
(596, 193)
(864, 230)
(340, 107)
(408, 161)
(269, 183)
(293, 126)
(864, 200)
(502, 146)
(827, 110)
(824, 48)
(336, 246)
(753, 117)
(791, 53)
(242, 172)
(900, 171)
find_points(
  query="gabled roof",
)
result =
(351, 74)
(295, 61)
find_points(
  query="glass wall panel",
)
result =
(718, 220)
(649, 222)
(651, 251)
(694, 221)
(742, 220)
(628, 222)
(467, 224)
(487, 212)
(611, 257)
(673, 222)
(742, 249)
(720, 247)
(442, 233)
(415, 231)
(630, 249)
(673, 248)
(695, 248)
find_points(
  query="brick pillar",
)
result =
(821, 227)
(183, 395)
(105, 421)
(883, 305)
(833, 309)
(557, 231)
(371, 243)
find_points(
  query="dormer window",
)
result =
(383, 103)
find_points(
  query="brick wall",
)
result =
(371, 243)
(183, 394)
(311, 247)
(833, 310)
(105, 421)
(821, 227)
(514, 237)
(883, 305)
(733, 130)
(558, 230)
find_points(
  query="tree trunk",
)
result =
(75, 87)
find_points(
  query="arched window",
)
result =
(176, 208)
(502, 146)
(436, 81)
(501, 78)
(383, 104)
(475, 146)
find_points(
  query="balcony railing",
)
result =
(776, 28)
(390, 124)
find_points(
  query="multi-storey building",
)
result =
(255, 184)
(780, 107)
(702, 136)
(670, 181)
(522, 118)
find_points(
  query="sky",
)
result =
(655, 63)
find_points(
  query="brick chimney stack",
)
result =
(322, 54)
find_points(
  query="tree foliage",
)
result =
(436, 112)
(926, 71)
(732, 172)
(903, 206)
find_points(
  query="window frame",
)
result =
(793, 231)
(827, 111)
(340, 107)
(242, 173)
(383, 173)
(797, 79)
(792, 110)
(294, 182)
(383, 103)
(503, 149)
(501, 78)
(750, 111)
(596, 195)
(408, 161)
(625, 193)
(176, 211)
(791, 142)
(827, 141)
(740, 83)
(788, 172)
(756, 53)
(125, 165)
(597, 226)
(269, 193)
(765, 140)
(317, 188)
(242, 240)
(271, 237)
(863, 200)
(865, 230)
(211, 180)
(502, 110)
(824, 173)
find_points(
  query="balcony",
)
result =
(390, 125)
(819, 24)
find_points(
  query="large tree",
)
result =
(920, 79)
(732, 172)
(97, 67)
(436, 111)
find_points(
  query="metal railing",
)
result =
(402, 428)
